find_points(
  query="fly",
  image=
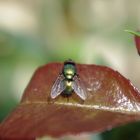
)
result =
(68, 81)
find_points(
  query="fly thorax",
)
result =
(69, 71)
(68, 83)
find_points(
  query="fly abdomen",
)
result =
(68, 90)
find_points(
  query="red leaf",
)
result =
(137, 42)
(112, 101)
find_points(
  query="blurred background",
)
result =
(36, 32)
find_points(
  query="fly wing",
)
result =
(58, 87)
(79, 88)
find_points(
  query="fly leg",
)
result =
(82, 102)
(49, 100)
(68, 99)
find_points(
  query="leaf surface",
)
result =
(111, 101)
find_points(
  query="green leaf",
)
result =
(137, 33)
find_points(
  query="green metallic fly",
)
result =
(68, 82)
